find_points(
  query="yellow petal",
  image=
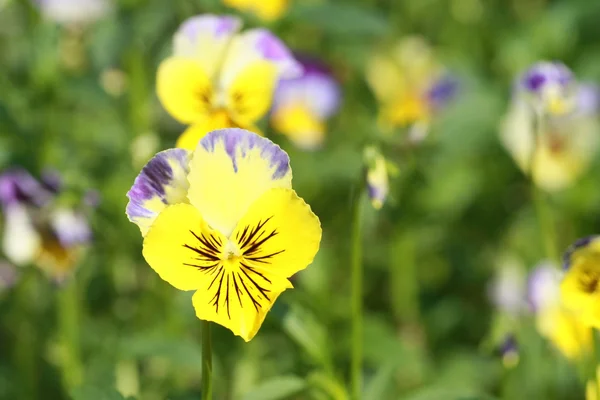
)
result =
(279, 235)
(300, 125)
(238, 297)
(250, 94)
(565, 331)
(580, 288)
(268, 10)
(230, 170)
(182, 248)
(184, 89)
(215, 120)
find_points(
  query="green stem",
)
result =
(546, 223)
(206, 362)
(540, 200)
(357, 296)
(68, 320)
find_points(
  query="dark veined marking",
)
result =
(207, 251)
(588, 281)
(252, 239)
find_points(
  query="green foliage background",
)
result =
(458, 205)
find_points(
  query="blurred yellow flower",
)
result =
(267, 10)
(554, 320)
(219, 78)
(551, 129)
(580, 288)
(410, 85)
(224, 221)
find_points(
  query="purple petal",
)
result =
(546, 73)
(442, 91)
(238, 142)
(163, 181)
(70, 227)
(579, 243)
(543, 286)
(271, 48)
(209, 25)
(588, 98)
(315, 89)
(17, 185)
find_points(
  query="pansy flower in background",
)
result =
(581, 284)
(224, 221)
(268, 10)
(378, 172)
(551, 127)
(302, 105)
(554, 320)
(74, 12)
(220, 78)
(37, 228)
(411, 86)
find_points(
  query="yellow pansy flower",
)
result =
(580, 287)
(224, 221)
(410, 84)
(267, 10)
(219, 78)
(554, 319)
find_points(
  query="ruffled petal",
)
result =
(230, 170)
(163, 181)
(238, 297)
(182, 248)
(184, 89)
(279, 234)
(205, 38)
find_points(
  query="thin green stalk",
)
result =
(540, 200)
(206, 362)
(546, 223)
(68, 320)
(357, 296)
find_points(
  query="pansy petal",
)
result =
(315, 89)
(230, 169)
(279, 235)
(205, 38)
(182, 248)
(163, 181)
(250, 94)
(258, 45)
(238, 298)
(21, 242)
(267, 10)
(191, 136)
(184, 89)
(300, 125)
(70, 227)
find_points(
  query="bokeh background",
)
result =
(81, 100)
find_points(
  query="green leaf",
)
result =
(446, 394)
(278, 388)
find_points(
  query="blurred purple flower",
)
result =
(37, 229)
